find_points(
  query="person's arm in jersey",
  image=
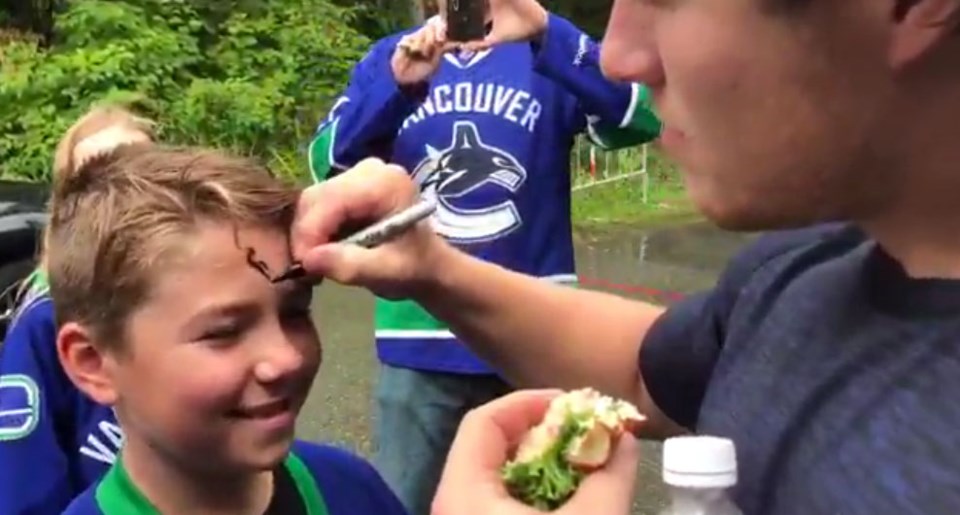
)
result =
(618, 115)
(34, 475)
(386, 86)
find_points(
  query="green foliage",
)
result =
(253, 76)
(380, 18)
(591, 16)
(658, 198)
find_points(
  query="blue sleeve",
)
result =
(680, 349)
(33, 465)
(85, 503)
(617, 114)
(350, 485)
(365, 119)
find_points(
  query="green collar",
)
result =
(38, 279)
(117, 495)
(37, 282)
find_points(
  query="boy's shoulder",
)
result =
(35, 306)
(85, 503)
(347, 482)
(32, 330)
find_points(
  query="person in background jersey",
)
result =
(160, 263)
(488, 133)
(54, 440)
(829, 349)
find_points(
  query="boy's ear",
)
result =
(920, 26)
(87, 367)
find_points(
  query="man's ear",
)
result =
(87, 367)
(919, 26)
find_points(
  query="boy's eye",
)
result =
(222, 333)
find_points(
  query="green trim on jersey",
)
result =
(640, 124)
(306, 485)
(117, 495)
(38, 280)
(320, 154)
(407, 319)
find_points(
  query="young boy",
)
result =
(160, 266)
(55, 441)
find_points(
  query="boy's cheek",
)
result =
(203, 388)
(313, 353)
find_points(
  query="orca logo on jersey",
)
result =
(460, 177)
(19, 406)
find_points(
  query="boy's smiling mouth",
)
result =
(264, 411)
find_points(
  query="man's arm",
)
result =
(539, 334)
(618, 114)
(364, 120)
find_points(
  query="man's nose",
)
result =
(629, 51)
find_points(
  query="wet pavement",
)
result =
(658, 264)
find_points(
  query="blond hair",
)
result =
(118, 220)
(99, 121)
(109, 127)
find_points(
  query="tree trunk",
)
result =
(35, 16)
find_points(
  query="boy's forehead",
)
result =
(219, 250)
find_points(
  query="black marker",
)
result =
(375, 235)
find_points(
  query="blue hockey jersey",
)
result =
(313, 480)
(54, 441)
(491, 142)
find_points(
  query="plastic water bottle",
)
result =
(699, 471)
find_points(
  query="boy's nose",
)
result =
(278, 360)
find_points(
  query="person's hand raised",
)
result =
(418, 55)
(513, 20)
(364, 194)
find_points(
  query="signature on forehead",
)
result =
(258, 264)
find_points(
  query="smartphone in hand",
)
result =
(465, 20)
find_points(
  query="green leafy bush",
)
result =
(254, 76)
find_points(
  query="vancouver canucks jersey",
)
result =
(54, 441)
(490, 140)
(313, 480)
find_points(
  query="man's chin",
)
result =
(745, 217)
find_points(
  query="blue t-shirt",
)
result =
(833, 371)
(313, 480)
(54, 440)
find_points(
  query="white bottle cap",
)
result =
(699, 462)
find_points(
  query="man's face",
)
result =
(776, 118)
